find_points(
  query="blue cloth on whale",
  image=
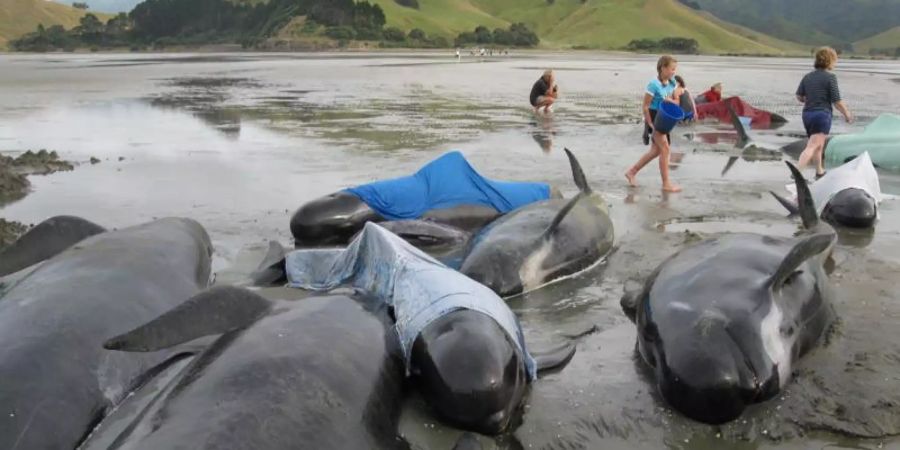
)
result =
(446, 182)
(418, 287)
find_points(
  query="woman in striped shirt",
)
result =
(818, 91)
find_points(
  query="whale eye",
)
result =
(790, 279)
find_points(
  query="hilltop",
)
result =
(601, 24)
(888, 42)
(18, 17)
(812, 22)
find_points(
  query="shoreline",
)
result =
(449, 51)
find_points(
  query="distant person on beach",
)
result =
(660, 89)
(714, 94)
(818, 91)
(684, 99)
(544, 92)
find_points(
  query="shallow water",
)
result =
(238, 141)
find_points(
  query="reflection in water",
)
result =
(544, 131)
(855, 237)
(228, 121)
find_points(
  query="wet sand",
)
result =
(238, 142)
(14, 172)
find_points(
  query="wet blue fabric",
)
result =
(418, 287)
(446, 182)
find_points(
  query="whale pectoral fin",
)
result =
(630, 296)
(788, 205)
(271, 269)
(743, 136)
(578, 173)
(216, 310)
(802, 250)
(46, 240)
(555, 358)
(729, 164)
(468, 441)
(554, 225)
(805, 203)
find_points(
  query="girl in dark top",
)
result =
(683, 97)
(818, 91)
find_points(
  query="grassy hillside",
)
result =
(18, 17)
(887, 39)
(606, 24)
(813, 22)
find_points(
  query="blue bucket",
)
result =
(667, 116)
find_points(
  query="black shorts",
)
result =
(648, 130)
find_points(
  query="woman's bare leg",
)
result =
(811, 151)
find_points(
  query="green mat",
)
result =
(881, 139)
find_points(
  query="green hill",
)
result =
(18, 17)
(603, 24)
(812, 22)
(889, 39)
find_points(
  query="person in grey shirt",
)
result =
(818, 91)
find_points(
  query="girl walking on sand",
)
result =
(660, 89)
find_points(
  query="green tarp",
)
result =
(881, 139)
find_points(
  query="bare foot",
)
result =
(630, 177)
(671, 188)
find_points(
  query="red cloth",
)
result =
(759, 118)
(712, 96)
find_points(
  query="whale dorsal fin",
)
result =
(799, 253)
(805, 204)
(554, 225)
(577, 173)
(271, 269)
(216, 310)
(554, 358)
(788, 205)
(743, 136)
(46, 240)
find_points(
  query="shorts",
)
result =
(817, 121)
(648, 130)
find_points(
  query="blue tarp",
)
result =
(444, 183)
(419, 288)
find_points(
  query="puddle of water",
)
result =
(720, 225)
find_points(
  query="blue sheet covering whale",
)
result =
(419, 288)
(446, 182)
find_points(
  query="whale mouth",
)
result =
(751, 392)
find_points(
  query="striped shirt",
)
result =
(820, 87)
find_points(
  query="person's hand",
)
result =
(848, 117)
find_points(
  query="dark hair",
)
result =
(679, 80)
